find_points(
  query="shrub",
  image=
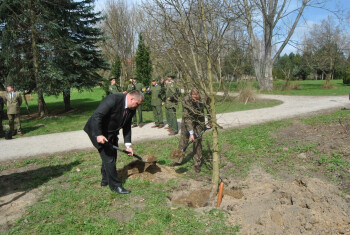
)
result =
(346, 79)
(246, 92)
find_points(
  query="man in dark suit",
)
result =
(114, 113)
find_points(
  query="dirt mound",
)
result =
(177, 153)
(198, 198)
(150, 171)
(304, 205)
(149, 158)
(263, 205)
(201, 198)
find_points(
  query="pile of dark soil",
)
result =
(151, 170)
(177, 154)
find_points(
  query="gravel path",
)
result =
(293, 106)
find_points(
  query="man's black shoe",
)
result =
(121, 190)
(103, 184)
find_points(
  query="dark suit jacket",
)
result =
(108, 119)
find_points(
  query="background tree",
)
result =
(120, 28)
(50, 47)
(324, 48)
(237, 64)
(264, 20)
(74, 56)
(143, 70)
(191, 35)
(346, 77)
(116, 68)
(143, 62)
(21, 23)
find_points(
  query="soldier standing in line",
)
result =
(136, 86)
(192, 124)
(1, 113)
(171, 100)
(164, 84)
(113, 88)
(13, 103)
(156, 103)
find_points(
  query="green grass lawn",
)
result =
(307, 87)
(73, 202)
(85, 103)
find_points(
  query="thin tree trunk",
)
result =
(42, 109)
(26, 102)
(215, 140)
(66, 100)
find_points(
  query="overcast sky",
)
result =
(311, 16)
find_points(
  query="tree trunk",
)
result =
(66, 100)
(215, 139)
(26, 102)
(42, 109)
(268, 76)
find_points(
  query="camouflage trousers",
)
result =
(14, 120)
(197, 144)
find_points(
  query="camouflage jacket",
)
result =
(171, 95)
(193, 112)
(113, 89)
(137, 86)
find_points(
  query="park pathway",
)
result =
(293, 106)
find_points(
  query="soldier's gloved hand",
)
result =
(192, 138)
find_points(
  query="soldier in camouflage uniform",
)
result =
(171, 100)
(113, 88)
(193, 122)
(136, 86)
(1, 114)
(156, 103)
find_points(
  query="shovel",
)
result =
(200, 134)
(135, 155)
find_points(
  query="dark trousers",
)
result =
(108, 168)
(1, 129)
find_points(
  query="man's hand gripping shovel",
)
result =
(149, 159)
